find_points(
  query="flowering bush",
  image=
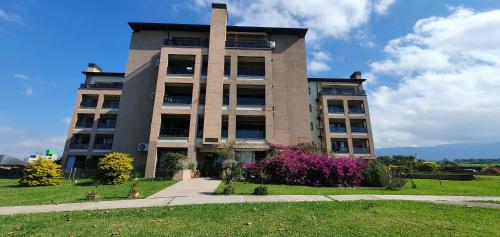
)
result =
(294, 165)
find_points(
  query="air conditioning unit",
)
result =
(143, 147)
(272, 44)
(157, 63)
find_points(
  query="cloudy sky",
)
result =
(433, 67)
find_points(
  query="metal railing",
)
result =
(243, 133)
(356, 110)
(174, 132)
(84, 125)
(334, 129)
(114, 85)
(225, 100)
(335, 110)
(342, 92)
(340, 149)
(169, 99)
(88, 104)
(113, 104)
(79, 146)
(186, 42)
(106, 125)
(361, 150)
(248, 44)
(359, 129)
(177, 70)
(250, 100)
(252, 72)
(105, 146)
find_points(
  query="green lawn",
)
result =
(11, 194)
(482, 186)
(360, 218)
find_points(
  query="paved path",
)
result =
(219, 199)
(188, 188)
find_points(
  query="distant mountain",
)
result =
(448, 151)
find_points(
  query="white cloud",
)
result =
(381, 6)
(28, 91)
(319, 62)
(448, 86)
(20, 76)
(21, 144)
(10, 17)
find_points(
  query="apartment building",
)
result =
(197, 88)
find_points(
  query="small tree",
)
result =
(171, 162)
(114, 168)
(376, 174)
(41, 172)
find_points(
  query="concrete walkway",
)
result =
(202, 198)
(188, 188)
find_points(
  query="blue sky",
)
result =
(399, 46)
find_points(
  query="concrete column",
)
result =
(215, 75)
(348, 127)
(326, 124)
(369, 128)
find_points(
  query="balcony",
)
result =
(177, 100)
(361, 150)
(79, 146)
(102, 146)
(111, 104)
(251, 68)
(83, 124)
(250, 127)
(359, 129)
(174, 128)
(113, 85)
(88, 104)
(251, 101)
(356, 110)
(253, 134)
(180, 65)
(337, 129)
(186, 42)
(340, 150)
(174, 132)
(248, 44)
(109, 124)
(342, 92)
(335, 110)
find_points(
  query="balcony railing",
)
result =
(248, 100)
(342, 92)
(113, 104)
(356, 110)
(359, 129)
(251, 72)
(256, 134)
(106, 125)
(335, 110)
(248, 44)
(79, 146)
(361, 150)
(343, 150)
(178, 70)
(204, 71)
(102, 146)
(84, 125)
(88, 104)
(114, 85)
(186, 42)
(174, 132)
(334, 129)
(177, 99)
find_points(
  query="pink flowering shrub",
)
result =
(292, 165)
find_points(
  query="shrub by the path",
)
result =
(41, 172)
(114, 168)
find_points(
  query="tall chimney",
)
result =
(92, 67)
(217, 49)
(356, 75)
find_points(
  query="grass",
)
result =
(482, 186)
(360, 218)
(11, 194)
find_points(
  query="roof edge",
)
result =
(117, 74)
(326, 79)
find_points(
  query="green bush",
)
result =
(114, 168)
(41, 172)
(426, 166)
(396, 183)
(228, 189)
(376, 174)
(231, 170)
(260, 190)
(170, 163)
